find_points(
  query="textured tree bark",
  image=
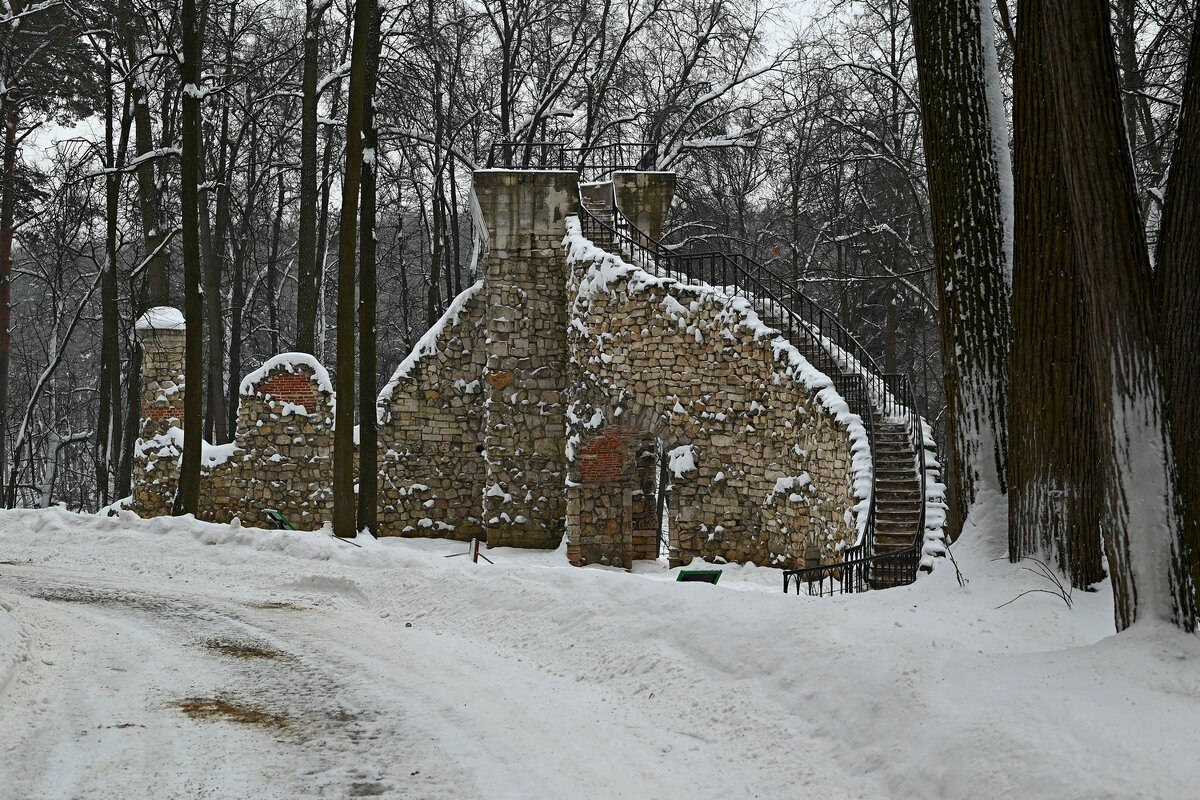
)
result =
(1140, 521)
(187, 497)
(1178, 303)
(306, 266)
(368, 449)
(1054, 482)
(344, 505)
(108, 422)
(273, 267)
(965, 169)
(7, 212)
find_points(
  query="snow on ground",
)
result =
(172, 658)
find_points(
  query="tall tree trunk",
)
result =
(368, 455)
(1141, 517)
(108, 423)
(214, 396)
(218, 256)
(273, 269)
(1054, 487)
(187, 498)
(306, 267)
(7, 213)
(153, 234)
(1178, 303)
(323, 217)
(966, 164)
(344, 505)
(133, 410)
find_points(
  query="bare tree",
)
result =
(966, 161)
(1141, 516)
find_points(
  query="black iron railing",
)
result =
(827, 345)
(860, 569)
(594, 162)
(857, 574)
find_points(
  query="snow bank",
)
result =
(14, 642)
(631, 680)
(161, 318)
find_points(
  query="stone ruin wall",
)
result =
(279, 458)
(655, 360)
(540, 377)
(431, 469)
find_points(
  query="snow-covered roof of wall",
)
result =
(161, 318)
(288, 362)
(429, 341)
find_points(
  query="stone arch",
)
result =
(762, 449)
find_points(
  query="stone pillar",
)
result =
(160, 443)
(644, 198)
(524, 216)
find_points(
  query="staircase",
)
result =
(889, 553)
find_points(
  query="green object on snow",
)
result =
(699, 576)
(279, 519)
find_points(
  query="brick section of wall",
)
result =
(290, 388)
(279, 458)
(157, 450)
(608, 457)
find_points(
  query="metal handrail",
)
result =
(595, 161)
(754, 283)
(889, 569)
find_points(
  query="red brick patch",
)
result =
(290, 388)
(608, 456)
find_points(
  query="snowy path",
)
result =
(347, 700)
(170, 658)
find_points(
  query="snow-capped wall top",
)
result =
(287, 362)
(161, 318)
(428, 344)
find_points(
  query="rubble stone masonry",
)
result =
(545, 402)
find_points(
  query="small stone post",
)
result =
(160, 443)
(644, 198)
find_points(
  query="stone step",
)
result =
(885, 504)
(905, 484)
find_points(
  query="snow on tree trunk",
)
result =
(1178, 302)
(971, 234)
(1140, 518)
